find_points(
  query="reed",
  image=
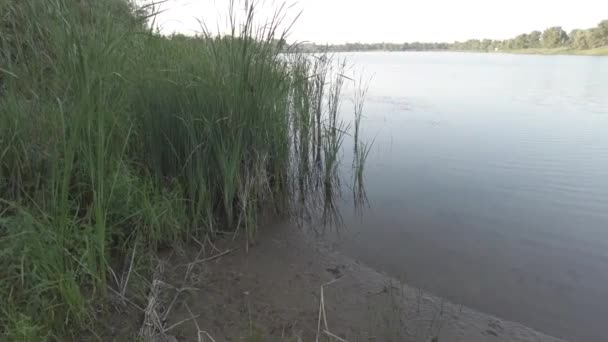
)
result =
(112, 136)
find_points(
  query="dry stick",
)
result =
(198, 328)
(173, 326)
(320, 314)
(208, 240)
(198, 242)
(211, 257)
(206, 333)
(151, 320)
(114, 276)
(152, 313)
(179, 291)
(153, 324)
(334, 336)
(323, 314)
(194, 320)
(123, 290)
(126, 299)
(191, 265)
(323, 308)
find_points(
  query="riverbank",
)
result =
(277, 289)
(602, 51)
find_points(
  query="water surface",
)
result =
(488, 183)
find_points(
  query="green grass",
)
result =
(113, 137)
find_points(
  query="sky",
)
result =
(397, 21)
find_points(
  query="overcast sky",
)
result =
(339, 21)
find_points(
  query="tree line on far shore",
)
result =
(550, 38)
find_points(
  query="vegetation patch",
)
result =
(116, 141)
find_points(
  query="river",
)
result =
(488, 183)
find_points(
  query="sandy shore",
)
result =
(272, 292)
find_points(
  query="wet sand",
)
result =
(272, 292)
(553, 284)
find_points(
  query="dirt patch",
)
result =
(273, 291)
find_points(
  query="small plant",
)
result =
(361, 149)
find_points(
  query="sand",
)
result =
(271, 291)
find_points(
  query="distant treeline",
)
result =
(550, 38)
(416, 46)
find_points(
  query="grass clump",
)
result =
(112, 137)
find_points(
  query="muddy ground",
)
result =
(290, 287)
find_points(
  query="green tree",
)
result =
(473, 44)
(599, 35)
(534, 39)
(486, 45)
(508, 44)
(521, 41)
(580, 39)
(554, 37)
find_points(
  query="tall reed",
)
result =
(112, 136)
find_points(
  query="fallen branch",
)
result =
(211, 258)
(323, 314)
(199, 331)
(334, 336)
